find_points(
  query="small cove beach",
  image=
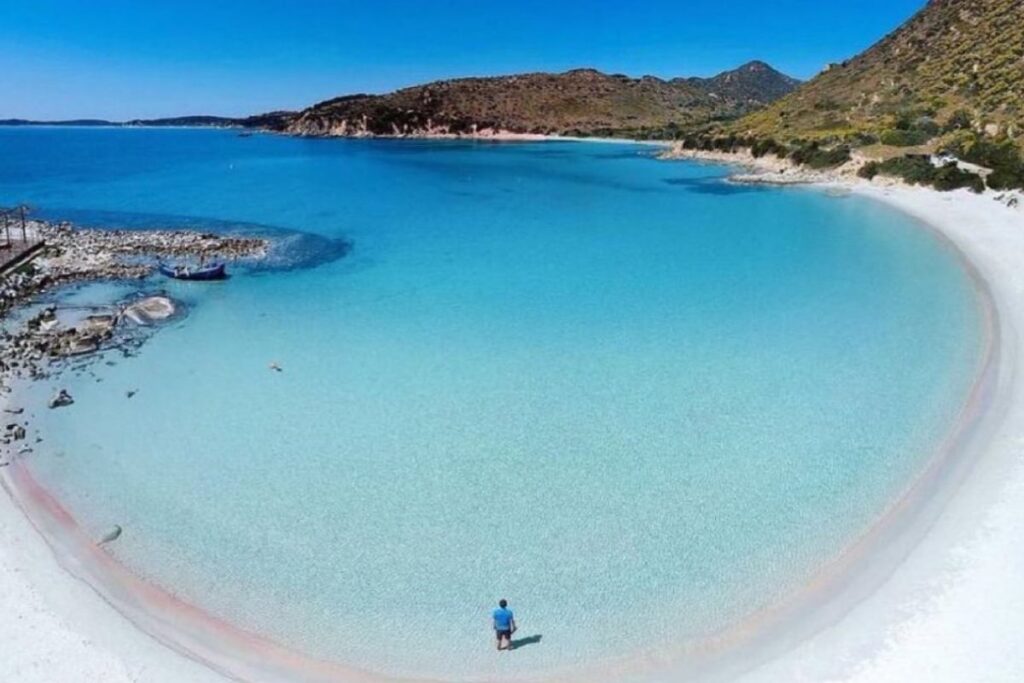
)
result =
(108, 658)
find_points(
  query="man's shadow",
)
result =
(522, 642)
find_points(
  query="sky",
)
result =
(121, 59)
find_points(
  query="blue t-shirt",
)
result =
(502, 619)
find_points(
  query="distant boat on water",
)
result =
(216, 271)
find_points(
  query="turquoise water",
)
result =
(637, 401)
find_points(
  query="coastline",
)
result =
(56, 626)
(929, 215)
(953, 593)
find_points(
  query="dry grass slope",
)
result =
(955, 64)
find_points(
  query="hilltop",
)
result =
(577, 102)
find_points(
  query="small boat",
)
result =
(216, 271)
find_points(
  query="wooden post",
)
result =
(24, 236)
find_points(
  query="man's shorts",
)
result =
(504, 634)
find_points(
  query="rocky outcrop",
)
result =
(74, 255)
(77, 255)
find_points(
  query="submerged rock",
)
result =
(112, 534)
(60, 399)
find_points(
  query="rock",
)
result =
(113, 533)
(131, 392)
(99, 325)
(60, 399)
(14, 411)
(18, 433)
(150, 309)
(275, 367)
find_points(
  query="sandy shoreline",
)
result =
(951, 609)
(55, 627)
(984, 230)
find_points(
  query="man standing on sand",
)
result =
(504, 624)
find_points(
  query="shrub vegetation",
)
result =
(919, 170)
(812, 155)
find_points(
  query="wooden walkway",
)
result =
(17, 253)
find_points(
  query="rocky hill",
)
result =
(578, 102)
(756, 83)
(957, 65)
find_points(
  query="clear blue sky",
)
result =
(122, 59)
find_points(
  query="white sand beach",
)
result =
(954, 608)
(951, 611)
(54, 628)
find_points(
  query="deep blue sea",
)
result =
(635, 400)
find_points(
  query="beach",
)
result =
(932, 593)
(951, 611)
(54, 626)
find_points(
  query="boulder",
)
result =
(150, 309)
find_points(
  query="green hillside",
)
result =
(956, 65)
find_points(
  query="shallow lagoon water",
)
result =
(637, 401)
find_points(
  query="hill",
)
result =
(955, 65)
(755, 82)
(578, 102)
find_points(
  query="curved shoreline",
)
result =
(179, 625)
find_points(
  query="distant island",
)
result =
(271, 120)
